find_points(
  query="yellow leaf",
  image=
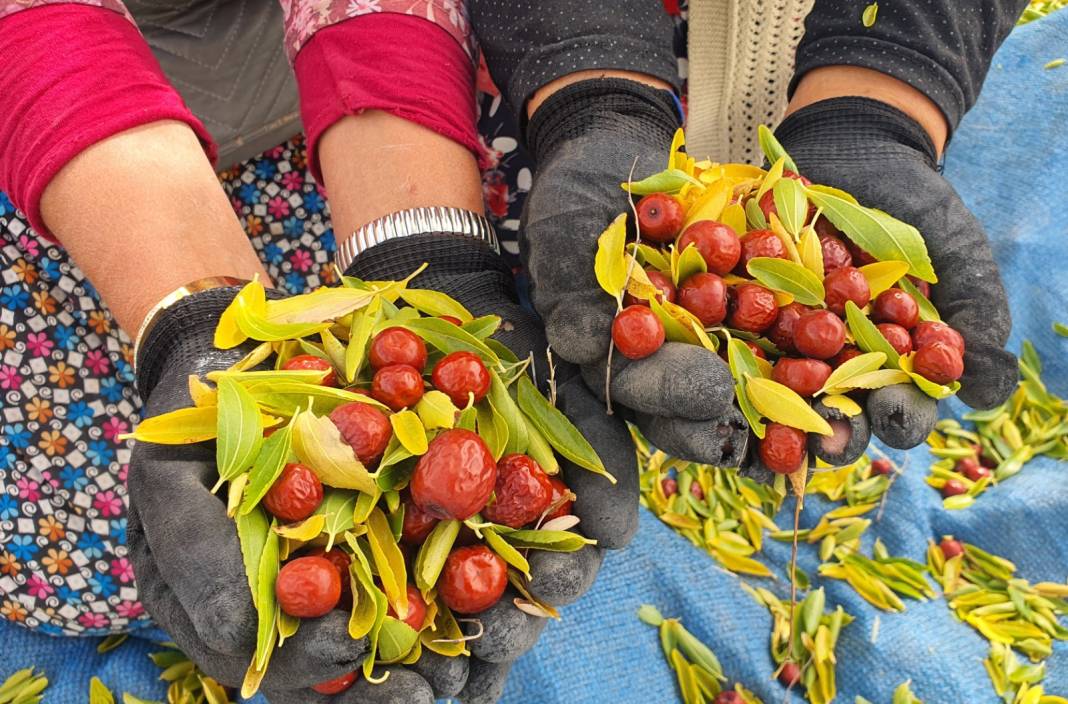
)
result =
(203, 395)
(734, 217)
(674, 328)
(322, 304)
(261, 352)
(608, 264)
(677, 157)
(742, 564)
(782, 405)
(651, 256)
(318, 444)
(811, 252)
(707, 342)
(389, 561)
(639, 285)
(870, 13)
(773, 175)
(677, 520)
(436, 410)
(305, 530)
(846, 405)
(883, 275)
(861, 364)
(409, 430)
(787, 241)
(180, 427)
(871, 380)
(710, 204)
(435, 303)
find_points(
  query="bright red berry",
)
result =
(755, 349)
(340, 560)
(295, 494)
(663, 285)
(417, 524)
(819, 334)
(522, 491)
(804, 376)
(754, 308)
(896, 306)
(473, 580)
(790, 674)
(882, 466)
(897, 336)
(416, 609)
(397, 346)
(637, 332)
(845, 284)
(459, 374)
(364, 428)
(718, 244)
(455, 477)
(451, 319)
(927, 332)
(970, 468)
(728, 696)
(951, 548)
(308, 587)
(670, 486)
(660, 217)
(705, 295)
(783, 448)
(759, 243)
(307, 362)
(697, 492)
(781, 332)
(563, 507)
(954, 487)
(848, 352)
(938, 362)
(336, 685)
(398, 386)
(835, 254)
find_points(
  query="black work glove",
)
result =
(473, 274)
(185, 550)
(585, 139)
(885, 159)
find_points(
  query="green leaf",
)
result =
(389, 561)
(505, 405)
(870, 13)
(99, 693)
(492, 427)
(873, 380)
(773, 151)
(128, 698)
(539, 449)
(508, 553)
(651, 256)
(1029, 358)
(867, 336)
(266, 607)
(927, 310)
(781, 404)
(467, 418)
(433, 553)
(395, 640)
(435, 304)
(754, 215)
(268, 466)
(650, 614)
(791, 204)
(743, 363)
(409, 431)
(448, 338)
(484, 326)
(335, 351)
(436, 410)
(867, 362)
(877, 233)
(674, 330)
(339, 507)
(246, 317)
(23, 687)
(609, 265)
(667, 181)
(359, 335)
(689, 262)
(549, 540)
(318, 444)
(788, 277)
(557, 429)
(369, 592)
(239, 429)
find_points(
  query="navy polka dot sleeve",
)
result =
(942, 48)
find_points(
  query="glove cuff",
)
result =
(844, 126)
(616, 105)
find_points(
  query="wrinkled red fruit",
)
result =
(295, 494)
(705, 295)
(951, 548)
(416, 609)
(637, 332)
(848, 352)
(397, 346)
(846, 284)
(896, 306)
(922, 286)
(824, 228)
(670, 486)
(860, 257)
(804, 376)
(819, 334)
(897, 336)
(783, 448)
(728, 697)
(662, 283)
(781, 332)
(473, 580)
(417, 523)
(307, 362)
(336, 685)
(970, 467)
(835, 254)
(754, 308)
(522, 491)
(759, 243)
(459, 374)
(954, 487)
(882, 466)
(926, 333)
(660, 217)
(718, 244)
(790, 674)
(938, 362)
(308, 587)
(340, 560)
(455, 478)
(563, 508)
(398, 386)
(364, 428)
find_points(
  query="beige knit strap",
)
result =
(741, 60)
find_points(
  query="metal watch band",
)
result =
(416, 221)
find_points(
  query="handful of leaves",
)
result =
(357, 482)
(810, 296)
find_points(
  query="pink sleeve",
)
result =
(393, 62)
(71, 75)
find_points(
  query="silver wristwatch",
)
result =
(416, 221)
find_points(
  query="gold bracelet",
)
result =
(173, 297)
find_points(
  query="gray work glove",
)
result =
(885, 159)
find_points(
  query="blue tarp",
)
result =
(1007, 160)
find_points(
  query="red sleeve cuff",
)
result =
(73, 75)
(401, 64)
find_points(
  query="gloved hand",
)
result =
(585, 139)
(478, 278)
(885, 159)
(185, 550)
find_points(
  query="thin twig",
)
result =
(619, 299)
(552, 375)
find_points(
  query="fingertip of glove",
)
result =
(401, 687)
(847, 443)
(445, 675)
(680, 380)
(485, 684)
(722, 441)
(901, 415)
(507, 632)
(990, 377)
(560, 578)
